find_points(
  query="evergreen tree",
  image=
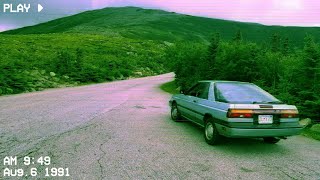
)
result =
(208, 67)
(275, 42)
(311, 60)
(285, 46)
(238, 37)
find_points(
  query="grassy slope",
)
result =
(126, 37)
(170, 87)
(313, 132)
(27, 60)
(140, 23)
(43, 48)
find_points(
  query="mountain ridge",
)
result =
(153, 24)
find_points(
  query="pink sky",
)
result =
(270, 12)
(5, 27)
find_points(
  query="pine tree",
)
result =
(311, 61)
(208, 67)
(275, 42)
(238, 37)
(310, 82)
(285, 46)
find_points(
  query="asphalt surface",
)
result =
(122, 130)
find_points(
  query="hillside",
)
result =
(133, 22)
(36, 62)
(114, 43)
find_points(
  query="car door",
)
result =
(200, 101)
(196, 95)
(185, 105)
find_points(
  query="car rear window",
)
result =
(242, 93)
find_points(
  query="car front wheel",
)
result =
(175, 113)
(271, 140)
(211, 134)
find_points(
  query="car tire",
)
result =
(175, 113)
(211, 133)
(271, 140)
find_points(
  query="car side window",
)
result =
(200, 90)
(193, 91)
(204, 92)
(218, 95)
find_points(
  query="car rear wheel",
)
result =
(211, 134)
(271, 140)
(175, 113)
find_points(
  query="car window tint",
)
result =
(241, 93)
(192, 91)
(201, 90)
(204, 91)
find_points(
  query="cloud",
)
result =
(271, 12)
(290, 5)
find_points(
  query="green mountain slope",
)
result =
(133, 22)
(39, 61)
(113, 43)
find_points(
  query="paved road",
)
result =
(122, 130)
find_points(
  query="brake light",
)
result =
(292, 113)
(240, 113)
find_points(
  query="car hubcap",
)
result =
(209, 131)
(174, 113)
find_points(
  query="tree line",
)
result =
(291, 74)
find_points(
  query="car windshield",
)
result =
(242, 93)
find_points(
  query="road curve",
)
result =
(122, 130)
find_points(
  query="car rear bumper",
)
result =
(268, 132)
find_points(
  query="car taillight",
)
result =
(240, 113)
(293, 113)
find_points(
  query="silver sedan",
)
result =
(235, 109)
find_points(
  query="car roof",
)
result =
(216, 81)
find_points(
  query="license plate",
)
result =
(265, 119)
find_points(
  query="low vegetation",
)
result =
(313, 132)
(34, 62)
(170, 87)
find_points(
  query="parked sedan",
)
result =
(235, 109)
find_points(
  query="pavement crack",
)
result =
(139, 107)
(42, 141)
(100, 158)
(287, 174)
